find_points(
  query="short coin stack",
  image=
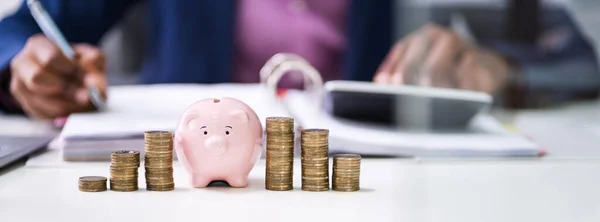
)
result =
(158, 146)
(124, 170)
(280, 153)
(346, 172)
(92, 184)
(315, 159)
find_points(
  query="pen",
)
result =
(50, 29)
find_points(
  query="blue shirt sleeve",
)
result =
(80, 22)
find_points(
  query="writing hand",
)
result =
(47, 84)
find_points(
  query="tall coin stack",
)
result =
(124, 170)
(315, 159)
(280, 153)
(158, 161)
(346, 172)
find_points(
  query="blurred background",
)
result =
(124, 43)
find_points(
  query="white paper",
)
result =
(490, 139)
(137, 108)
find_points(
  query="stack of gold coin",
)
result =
(280, 153)
(346, 172)
(315, 159)
(92, 184)
(124, 170)
(158, 161)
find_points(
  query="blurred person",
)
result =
(525, 54)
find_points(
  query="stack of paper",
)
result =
(135, 109)
(485, 138)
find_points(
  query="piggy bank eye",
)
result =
(205, 131)
(227, 132)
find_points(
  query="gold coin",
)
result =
(279, 172)
(159, 170)
(160, 187)
(280, 143)
(158, 134)
(346, 172)
(283, 154)
(279, 124)
(123, 187)
(280, 140)
(279, 187)
(124, 169)
(346, 189)
(346, 156)
(92, 184)
(347, 164)
(126, 153)
(315, 132)
(285, 134)
(159, 182)
(314, 188)
(157, 166)
(125, 158)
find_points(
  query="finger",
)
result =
(414, 55)
(384, 73)
(49, 56)
(43, 106)
(438, 66)
(90, 55)
(93, 78)
(21, 94)
(466, 73)
(53, 106)
(35, 78)
(406, 67)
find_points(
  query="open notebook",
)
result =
(134, 109)
(137, 108)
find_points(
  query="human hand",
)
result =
(438, 57)
(47, 84)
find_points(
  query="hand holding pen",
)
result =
(50, 79)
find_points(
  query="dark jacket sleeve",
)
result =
(80, 21)
(558, 65)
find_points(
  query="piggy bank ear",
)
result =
(189, 122)
(240, 115)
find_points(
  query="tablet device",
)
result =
(403, 105)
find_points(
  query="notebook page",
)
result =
(137, 108)
(487, 137)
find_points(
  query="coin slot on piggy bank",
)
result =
(218, 139)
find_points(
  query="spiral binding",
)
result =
(282, 63)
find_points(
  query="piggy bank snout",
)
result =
(216, 144)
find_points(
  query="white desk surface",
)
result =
(560, 187)
(392, 190)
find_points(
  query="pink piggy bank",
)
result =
(218, 139)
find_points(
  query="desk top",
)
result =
(569, 132)
(392, 190)
(560, 187)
